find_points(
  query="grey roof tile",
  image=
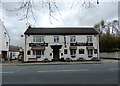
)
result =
(60, 31)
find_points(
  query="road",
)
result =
(105, 73)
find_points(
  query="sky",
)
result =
(71, 13)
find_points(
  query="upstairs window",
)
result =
(38, 38)
(5, 34)
(72, 39)
(72, 52)
(56, 38)
(89, 39)
(7, 44)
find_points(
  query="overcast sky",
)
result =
(71, 14)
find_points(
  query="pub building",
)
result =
(61, 43)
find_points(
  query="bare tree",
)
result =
(100, 26)
(108, 27)
(27, 8)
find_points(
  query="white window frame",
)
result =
(90, 52)
(38, 52)
(38, 38)
(56, 38)
(72, 52)
(89, 39)
(72, 39)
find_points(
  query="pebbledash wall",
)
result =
(60, 43)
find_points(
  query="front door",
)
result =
(56, 54)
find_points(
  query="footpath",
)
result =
(18, 63)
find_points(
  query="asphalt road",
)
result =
(105, 73)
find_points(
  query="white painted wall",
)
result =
(14, 55)
(50, 40)
(4, 38)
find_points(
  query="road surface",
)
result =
(105, 73)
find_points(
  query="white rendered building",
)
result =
(14, 52)
(61, 43)
(4, 42)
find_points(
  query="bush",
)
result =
(46, 60)
(68, 60)
(95, 59)
(108, 43)
(80, 59)
(118, 42)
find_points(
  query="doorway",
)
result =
(4, 55)
(56, 52)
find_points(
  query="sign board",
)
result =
(38, 44)
(81, 44)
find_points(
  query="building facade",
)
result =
(61, 43)
(14, 52)
(4, 41)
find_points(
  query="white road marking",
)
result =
(63, 70)
(114, 68)
(6, 72)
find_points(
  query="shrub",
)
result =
(95, 59)
(68, 60)
(108, 43)
(46, 60)
(80, 59)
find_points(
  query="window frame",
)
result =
(95, 51)
(90, 53)
(89, 39)
(28, 52)
(72, 39)
(38, 52)
(72, 52)
(81, 51)
(65, 51)
(38, 38)
(56, 39)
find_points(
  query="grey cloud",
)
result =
(68, 17)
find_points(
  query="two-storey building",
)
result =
(61, 43)
(4, 41)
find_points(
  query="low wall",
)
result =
(113, 55)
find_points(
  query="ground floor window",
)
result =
(90, 53)
(38, 52)
(28, 52)
(81, 51)
(72, 52)
(95, 51)
(65, 51)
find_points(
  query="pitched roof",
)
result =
(60, 31)
(14, 48)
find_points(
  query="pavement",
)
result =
(16, 62)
